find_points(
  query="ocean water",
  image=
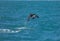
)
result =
(13, 15)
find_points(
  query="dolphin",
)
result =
(32, 16)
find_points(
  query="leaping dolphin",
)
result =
(32, 16)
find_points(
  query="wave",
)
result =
(16, 30)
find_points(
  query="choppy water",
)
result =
(46, 28)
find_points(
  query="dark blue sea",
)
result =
(13, 15)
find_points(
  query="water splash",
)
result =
(16, 30)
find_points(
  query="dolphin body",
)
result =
(32, 16)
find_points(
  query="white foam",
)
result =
(22, 28)
(12, 31)
(16, 31)
(8, 31)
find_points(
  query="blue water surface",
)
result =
(45, 28)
